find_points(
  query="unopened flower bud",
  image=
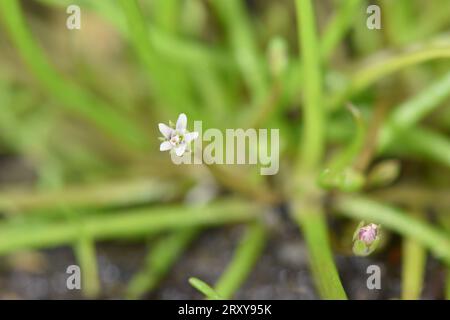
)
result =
(366, 239)
(368, 234)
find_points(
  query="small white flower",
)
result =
(177, 138)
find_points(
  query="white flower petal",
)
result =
(166, 145)
(179, 150)
(190, 136)
(165, 130)
(181, 123)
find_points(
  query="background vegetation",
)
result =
(80, 160)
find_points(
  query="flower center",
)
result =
(176, 139)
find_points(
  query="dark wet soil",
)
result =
(281, 273)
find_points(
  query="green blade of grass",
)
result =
(399, 133)
(399, 20)
(338, 26)
(166, 14)
(417, 107)
(85, 255)
(382, 67)
(189, 52)
(364, 40)
(127, 223)
(383, 64)
(313, 137)
(117, 193)
(315, 233)
(169, 83)
(204, 288)
(243, 261)
(310, 218)
(183, 51)
(433, 19)
(73, 97)
(417, 141)
(413, 269)
(242, 41)
(164, 253)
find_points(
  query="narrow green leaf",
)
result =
(204, 288)
(242, 262)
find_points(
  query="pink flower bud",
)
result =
(368, 234)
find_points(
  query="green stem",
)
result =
(324, 270)
(360, 208)
(414, 260)
(85, 254)
(164, 253)
(313, 138)
(127, 223)
(310, 218)
(245, 257)
(413, 267)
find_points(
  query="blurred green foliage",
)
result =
(81, 108)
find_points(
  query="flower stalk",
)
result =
(308, 212)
